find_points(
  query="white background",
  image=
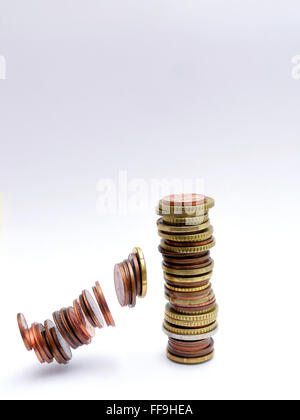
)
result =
(188, 89)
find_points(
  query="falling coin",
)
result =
(99, 295)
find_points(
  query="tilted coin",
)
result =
(132, 258)
(132, 303)
(24, 330)
(121, 286)
(92, 309)
(63, 331)
(49, 334)
(141, 260)
(99, 295)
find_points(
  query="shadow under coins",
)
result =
(94, 367)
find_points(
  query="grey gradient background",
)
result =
(161, 89)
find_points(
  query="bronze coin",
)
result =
(198, 344)
(192, 308)
(136, 268)
(88, 329)
(34, 344)
(64, 331)
(91, 309)
(187, 352)
(187, 261)
(187, 244)
(24, 330)
(99, 295)
(133, 284)
(68, 327)
(49, 328)
(128, 282)
(184, 200)
(61, 344)
(75, 325)
(121, 285)
(39, 335)
(188, 295)
(187, 266)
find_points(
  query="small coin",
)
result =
(92, 309)
(184, 221)
(186, 199)
(190, 360)
(188, 289)
(128, 282)
(192, 345)
(76, 326)
(189, 272)
(34, 343)
(38, 331)
(194, 310)
(190, 331)
(49, 327)
(63, 331)
(132, 302)
(121, 286)
(188, 249)
(88, 329)
(24, 330)
(209, 315)
(68, 328)
(99, 295)
(191, 238)
(190, 351)
(185, 229)
(142, 263)
(187, 260)
(136, 268)
(187, 266)
(189, 337)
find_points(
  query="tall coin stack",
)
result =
(191, 312)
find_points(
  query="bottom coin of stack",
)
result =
(73, 327)
(191, 314)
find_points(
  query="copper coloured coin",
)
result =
(190, 352)
(128, 281)
(132, 284)
(188, 295)
(187, 244)
(88, 329)
(64, 331)
(50, 329)
(61, 344)
(99, 295)
(24, 330)
(75, 325)
(121, 285)
(198, 344)
(42, 346)
(34, 344)
(68, 327)
(183, 200)
(93, 309)
(187, 261)
(207, 307)
(187, 266)
(136, 268)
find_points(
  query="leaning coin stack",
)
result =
(191, 312)
(130, 278)
(73, 327)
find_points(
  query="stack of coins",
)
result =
(130, 278)
(74, 326)
(191, 313)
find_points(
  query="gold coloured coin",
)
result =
(191, 302)
(142, 262)
(185, 221)
(186, 249)
(195, 279)
(190, 360)
(188, 289)
(189, 324)
(171, 313)
(188, 238)
(188, 273)
(185, 211)
(164, 227)
(190, 331)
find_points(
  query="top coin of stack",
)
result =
(191, 314)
